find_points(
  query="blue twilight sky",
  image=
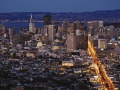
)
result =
(57, 5)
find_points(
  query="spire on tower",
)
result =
(31, 21)
(31, 16)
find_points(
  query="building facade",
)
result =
(81, 42)
(51, 33)
(47, 19)
(32, 25)
(71, 42)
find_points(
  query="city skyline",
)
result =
(57, 6)
(69, 56)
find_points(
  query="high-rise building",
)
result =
(96, 24)
(56, 24)
(71, 42)
(101, 32)
(10, 31)
(100, 23)
(41, 31)
(110, 32)
(79, 26)
(95, 43)
(117, 32)
(82, 42)
(16, 39)
(82, 31)
(46, 27)
(3, 29)
(102, 44)
(64, 27)
(93, 27)
(32, 25)
(51, 33)
(71, 28)
(10, 34)
(47, 19)
(89, 24)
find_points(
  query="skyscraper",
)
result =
(100, 23)
(82, 42)
(41, 31)
(71, 42)
(56, 24)
(71, 27)
(51, 31)
(3, 29)
(101, 32)
(64, 27)
(47, 19)
(32, 25)
(10, 34)
(79, 26)
(102, 43)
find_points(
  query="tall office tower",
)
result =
(101, 32)
(71, 42)
(79, 25)
(100, 23)
(95, 24)
(59, 34)
(93, 27)
(110, 32)
(64, 27)
(11, 33)
(81, 42)
(46, 27)
(71, 28)
(41, 31)
(89, 27)
(79, 28)
(96, 29)
(3, 29)
(51, 33)
(77, 32)
(91, 31)
(16, 39)
(102, 44)
(32, 25)
(117, 30)
(56, 24)
(47, 19)
(89, 24)
(82, 31)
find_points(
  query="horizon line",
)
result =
(58, 12)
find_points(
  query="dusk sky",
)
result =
(57, 5)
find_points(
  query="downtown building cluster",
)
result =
(71, 35)
(55, 57)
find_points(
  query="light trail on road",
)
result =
(99, 70)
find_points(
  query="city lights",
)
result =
(99, 69)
